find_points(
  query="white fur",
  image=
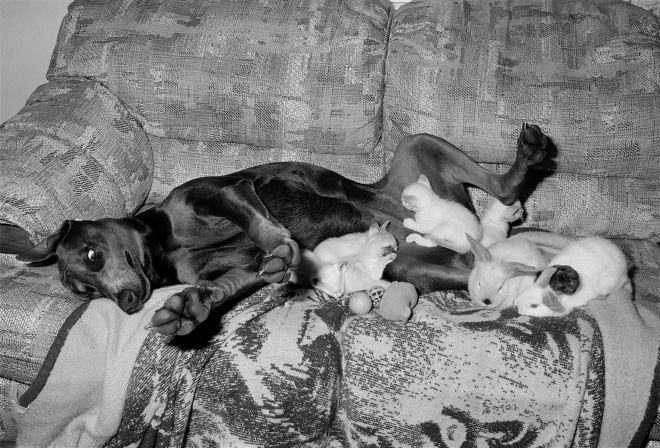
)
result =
(438, 222)
(496, 221)
(502, 271)
(352, 262)
(602, 267)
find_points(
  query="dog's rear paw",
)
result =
(275, 265)
(182, 312)
(531, 144)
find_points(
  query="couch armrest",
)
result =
(73, 152)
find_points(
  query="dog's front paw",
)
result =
(276, 262)
(531, 144)
(183, 311)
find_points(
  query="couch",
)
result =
(144, 95)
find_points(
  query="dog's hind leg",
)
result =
(506, 187)
(449, 169)
(241, 205)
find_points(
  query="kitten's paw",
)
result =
(413, 238)
(513, 212)
(408, 223)
(419, 240)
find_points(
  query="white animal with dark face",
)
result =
(586, 269)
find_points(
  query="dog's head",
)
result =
(110, 258)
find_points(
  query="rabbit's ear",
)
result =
(514, 269)
(552, 302)
(481, 254)
(544, 279)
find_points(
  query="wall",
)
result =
(28, 30)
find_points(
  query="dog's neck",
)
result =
(157, 271)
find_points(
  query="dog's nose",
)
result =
(128, 301)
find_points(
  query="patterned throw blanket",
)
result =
(290, 367)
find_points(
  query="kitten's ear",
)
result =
(385, 225)
(481, 254)
(375, 227)
(514, 269)
(424, 180)
(390, 257)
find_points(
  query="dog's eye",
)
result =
(93, 259)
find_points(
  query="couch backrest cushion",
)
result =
(586, 72)
(295, 75)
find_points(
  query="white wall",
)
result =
(28, 30)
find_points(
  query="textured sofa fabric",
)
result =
(304, 77)
(73, 152)
(143, 96)
(471, 72)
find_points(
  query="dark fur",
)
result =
(230, 234)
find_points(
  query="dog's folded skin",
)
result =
(229, 235)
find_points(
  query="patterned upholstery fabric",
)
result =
(9, 390)
(73, 152)
(586, 72)
(146, 95)
(177, 161)
(305, 75)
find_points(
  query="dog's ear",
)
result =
(45, 250)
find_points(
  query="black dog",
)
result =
(231, 234)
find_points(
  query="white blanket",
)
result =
(78, 401)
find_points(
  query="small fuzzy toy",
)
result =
(398, 301)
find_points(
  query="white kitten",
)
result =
(503, 270)
(439, 221)
(602, 269)
(496, 221)
(352, 262)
